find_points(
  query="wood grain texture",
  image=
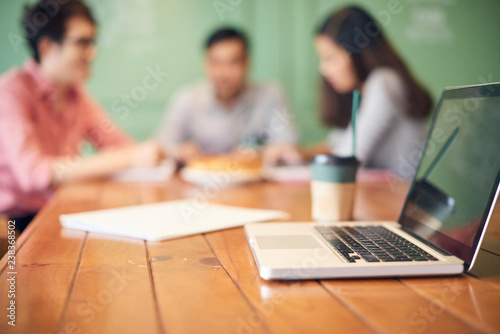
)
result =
(46, 263)
(465, 297)
(113, 278)
(77, 282)
(392, 307)
(194, 293)
(286, 307)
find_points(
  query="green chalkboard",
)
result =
(445, 43)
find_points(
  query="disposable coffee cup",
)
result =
(333, 187)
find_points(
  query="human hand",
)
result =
(147, 154)
(188, 151)
(282, 152)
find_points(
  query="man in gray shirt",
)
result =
(226, 112)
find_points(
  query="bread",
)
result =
(241, 162)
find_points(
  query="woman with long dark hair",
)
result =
(354, 54)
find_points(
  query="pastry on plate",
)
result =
(243, 166)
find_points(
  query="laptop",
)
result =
(443, 220)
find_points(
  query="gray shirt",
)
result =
(259, 117)
(387, 138)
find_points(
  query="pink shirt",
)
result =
(32, 136)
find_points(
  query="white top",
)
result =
(387, 138)
(260, 117)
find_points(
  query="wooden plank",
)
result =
(210, 284)
(53, 204)
(46, 264)
(466, 297)
(195, 293)
(114, 195)
(391, 307)
(377, 298)
(266, 195)
(113, 292)
(287, 307)
(270, 196)
(174, 188)
(374, 201)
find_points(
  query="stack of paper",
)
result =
(167, 220)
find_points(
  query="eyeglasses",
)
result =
(82, 43)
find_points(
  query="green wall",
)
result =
(445, 43)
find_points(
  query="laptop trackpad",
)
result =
(286, 242)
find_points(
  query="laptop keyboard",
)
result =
(373, 244)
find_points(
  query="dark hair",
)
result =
(49, 18)
(346, 27)
(225, 34)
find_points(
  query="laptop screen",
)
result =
(456, 181)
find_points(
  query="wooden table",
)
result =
(77, 282)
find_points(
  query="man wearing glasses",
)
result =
(46, 114)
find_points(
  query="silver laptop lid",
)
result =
(456, 183)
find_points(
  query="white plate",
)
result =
(220, 178)
(153, 174)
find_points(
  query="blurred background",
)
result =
(444, 42)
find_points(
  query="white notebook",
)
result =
(166, 220)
